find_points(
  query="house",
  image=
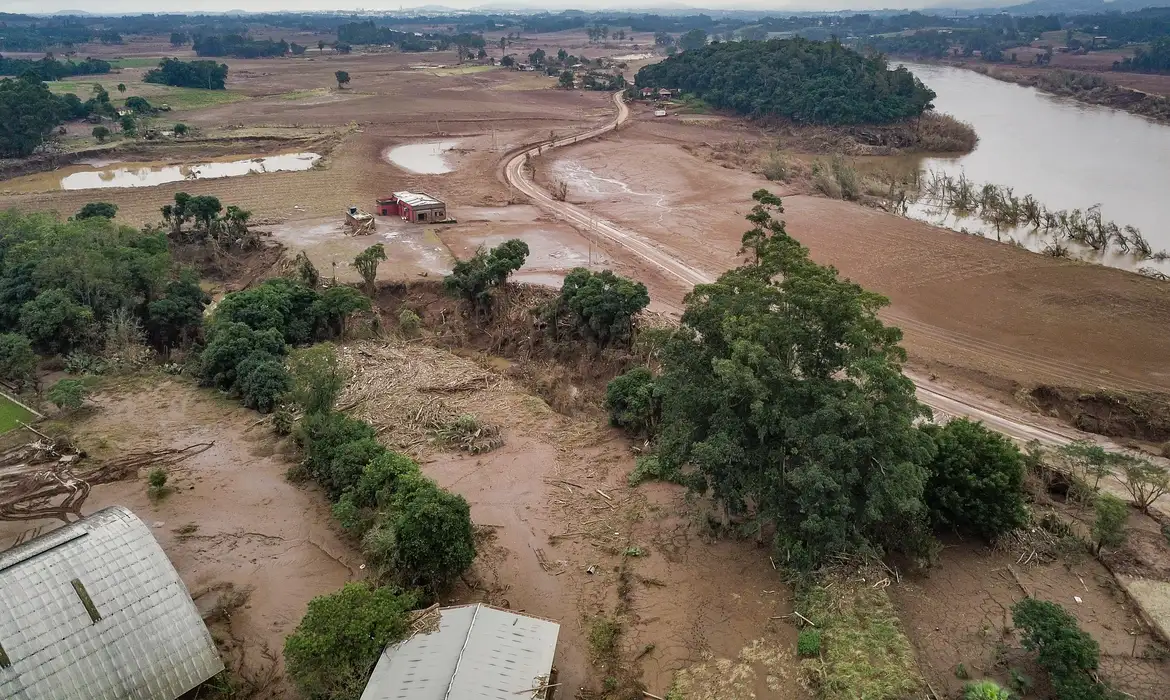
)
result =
(415, 207)
(95, 610)
(664, 94)
(647, 93)
(470, 651)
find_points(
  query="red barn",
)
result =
(412, 206)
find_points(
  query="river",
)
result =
(1066, 154)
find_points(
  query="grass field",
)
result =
(10, 414)
(175, 97)
(459, 70)
(136, 62)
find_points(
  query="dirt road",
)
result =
(942, 399)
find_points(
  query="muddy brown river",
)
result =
(1066, 154)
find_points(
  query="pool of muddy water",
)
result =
(422, 158)
(103, 174)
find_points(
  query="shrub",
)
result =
(18, 362)
(262, 381)
(54, 322)
(808, 642)
(985, 690)
(976, 480)
(157, 479)
(846, 177)
(181, 129)
(68, 393)
(604, 304)
(348, 463)
(318, 378)
(409, 323)
(101, 133)
(231, 343)
(633, 402)
(332, 651)
(102, 209)
(649, 468)
(775, 167)
(427, 540)
(323, 434)
(377, 482)
(1109, 525)
(139, 105)
(1068, 654)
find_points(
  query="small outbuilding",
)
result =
(647, 93)
(470, 651)
(415, 207)
(95, 611)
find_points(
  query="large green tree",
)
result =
(477, 277)
(604, 304)
(783, 391)
(28, 115)
(18, 362)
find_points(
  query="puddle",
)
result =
(411, 249)
(422, 158)
(99, 176)
(584, 181)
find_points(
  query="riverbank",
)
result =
(1104, 89)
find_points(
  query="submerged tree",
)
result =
(784, 392)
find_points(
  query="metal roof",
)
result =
(416, 199)
(477, 653)
(95, 611)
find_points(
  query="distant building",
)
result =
(95, 611)
(665, 94)
(647, 93)
(415, 207)
(474, 651)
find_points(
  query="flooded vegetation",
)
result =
(422, 158)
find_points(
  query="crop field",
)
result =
(11, 414)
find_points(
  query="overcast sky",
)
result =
(136, 6)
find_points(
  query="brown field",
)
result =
(985, 316)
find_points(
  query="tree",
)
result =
(334, 648)
(694, 39)
(103, 209)
(1069, 655)
(29, 114)
(297, 49)
(507, 61)
(604, 304)
(318, 378)
(429, 534)
(537, 57)
(633, 402)
(323, 434)
(207, 75)
(18, 362)
(230, 344)
(1109, 525)
(181, 129)
(475, 279)
(178, 38)
(101, 133)
(262, 380)
(127, 124)
(342, 47)
(783, 390)
(336, 305)
(54, 322)
(366, 263)
(68, 394)
(1146, 482)
(176, 319)
(321, 45)
(347, 463)
(122, 87)
(976, 482)
(139, 105)
(342, 79)
(566, 80)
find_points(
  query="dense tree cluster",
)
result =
(368, 32)
(238, 46)
(1155, 59)
(806, 81)
(208, 75)
(475, 279)
(603, 305)
(52, 69)
(781, 394)
(28, 115)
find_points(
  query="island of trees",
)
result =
(805, 81)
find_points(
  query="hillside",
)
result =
(806, 81)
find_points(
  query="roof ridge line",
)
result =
(459, 659)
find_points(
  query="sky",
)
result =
(137, 6)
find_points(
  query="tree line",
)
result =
(239, 46)
(51, 69)
(797, 79)
(207, 75)
(1155, 59)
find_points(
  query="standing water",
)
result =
(422, 158)
(157, 175)
(1065, 154)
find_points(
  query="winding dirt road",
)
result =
(940, 398)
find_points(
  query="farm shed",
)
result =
(413, 206)
(475, 651)
(95, 611)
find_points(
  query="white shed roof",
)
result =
(416, 199)
(147, 642)
(477, 653)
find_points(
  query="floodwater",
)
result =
(100, 176)
(422, 158)
(1066, 154)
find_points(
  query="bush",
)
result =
(846, 177)
(808, 642)
(318, 378)
(1109, 525)
(1069, 655)
(68, 393)
(181, 129)
(409, 323)
(775, 167)
(427, 540)
(157, 479)
(334, 648)
(262, 381)
(985, 690)
(604, 304)
(54, 322)
(379, 477)
(976, 482)
(323, 434)
(231, 343)
(101, 133)
(102, 209)
(18, 362)
(633, 402)
(348, 463)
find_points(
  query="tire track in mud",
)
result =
(938, 397)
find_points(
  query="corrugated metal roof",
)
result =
(477, 653)
(416, 199)
(148, 641)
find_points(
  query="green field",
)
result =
(10, 414)
(176, 98)
(136, 62)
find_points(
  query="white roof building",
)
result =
(95, 611)
(477, 653)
